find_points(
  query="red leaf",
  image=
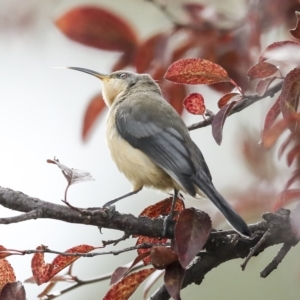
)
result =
(43, 272)
(288, 101)
(289, 96)
(40, 270)
(162, 208)
(13, 291)
(263, 85)
(261, 70)
(286, 197)
(2, 248)
(280, 51)
(295, 176)
(121, 272)
(191, 233)
(7, 274)
(226, 98)
(126, 287)
(296, 31)
(285, 144)
(92, 112)
(271, 135)
(4, 252)
(60, 261)
(148, 50)
(219, 120)
(173, 279)
(293, 154)
(196, 71)
(161, 257)
(96, 27)
(154, 211)
(194, 104)
(271, 115)
(118, 274)
(145, 239)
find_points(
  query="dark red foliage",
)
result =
(219, 120)
(191, 233)
(13, 291)
(97, 27)
(194, 104)
(92, 113)
(261, 70)
(296, 31)
(197, 50)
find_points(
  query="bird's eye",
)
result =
(123, 75)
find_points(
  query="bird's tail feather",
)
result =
(225, 208)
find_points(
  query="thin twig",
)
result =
(163, 8)
(113, 252)
(115, 242)
(80, 282)
(276, 260)
(255, 248)
(66, 192)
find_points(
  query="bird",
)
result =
(151, 145)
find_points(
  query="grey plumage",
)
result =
(151, 144)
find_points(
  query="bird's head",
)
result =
(115, 83)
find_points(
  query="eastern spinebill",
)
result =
(151, 145)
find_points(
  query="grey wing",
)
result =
(160, 138)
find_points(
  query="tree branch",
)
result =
(240, 105)
(100, 217)
(220, 247)
(223, 249)
(277, 260)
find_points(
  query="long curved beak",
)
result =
(98, 75)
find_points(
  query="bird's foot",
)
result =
(110, 209)
(167, 220)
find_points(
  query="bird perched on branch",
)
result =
(151, 145)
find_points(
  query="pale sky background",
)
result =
(41, 115)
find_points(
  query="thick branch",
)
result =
(223, 249)
(220, 247)
(35, 208)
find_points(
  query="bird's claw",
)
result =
(111, 210)
(166, 223)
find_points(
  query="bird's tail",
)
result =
(225, 208)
